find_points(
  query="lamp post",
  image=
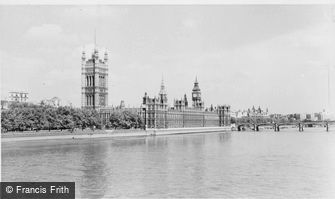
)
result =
(145, 118)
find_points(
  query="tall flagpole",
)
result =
(329, 106)
(94, 68)
(95, 38)
(330, 103)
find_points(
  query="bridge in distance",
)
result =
(276, 125)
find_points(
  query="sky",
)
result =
(273, 56)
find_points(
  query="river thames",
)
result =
(285, 164)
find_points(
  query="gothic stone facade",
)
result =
(94, 79)
(155, 111)
(157, 114)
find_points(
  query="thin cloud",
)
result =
(189, 23)
(44, 31)
(93, 12)
(243, 55)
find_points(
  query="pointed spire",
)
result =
(83, 55)
(196, 84)
(95, 54)
(162, 91)
(162, 84)
(106, 56)
(95, 39)
(185, 100)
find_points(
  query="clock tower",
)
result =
(196, 96)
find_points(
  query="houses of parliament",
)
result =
(155, 111)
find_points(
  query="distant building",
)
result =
(18, 97)
(54, 102)
(275, 116)
(309, 116)
(94, 80)
(157, 113)
(251, 112)
(196, 96)
(303, 116)
(239, 113)
(14, 97)
(4, 104)
(160, 102)
(122, 105)
(317, 117)
(259, 112)
(181, 104)
(297, 116)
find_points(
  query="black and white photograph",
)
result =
(159, 100)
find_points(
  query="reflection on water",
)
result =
(95, 170)
(258, 165)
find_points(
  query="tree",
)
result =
(115, 120)
(125, 120)
(233, 120)
(27, 116)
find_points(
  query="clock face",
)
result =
(196, 95)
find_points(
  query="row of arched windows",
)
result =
(89, 100)
(167, 119)
(89, 80)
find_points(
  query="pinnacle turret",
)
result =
(106, 56)
(162, 90)
(83, 56)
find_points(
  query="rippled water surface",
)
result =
(230, 165)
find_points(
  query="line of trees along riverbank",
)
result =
(32, 117)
